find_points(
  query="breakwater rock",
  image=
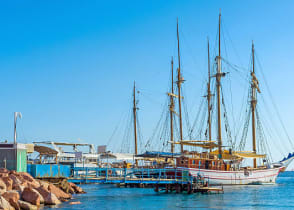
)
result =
(19, 190)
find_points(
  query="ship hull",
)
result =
(266, 176)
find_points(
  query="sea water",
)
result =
(102, 196)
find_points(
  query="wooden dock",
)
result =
(162, 180)
(191, 187)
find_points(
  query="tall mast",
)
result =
(219, 75)
(135, 120)
(208, 93)
(180, 80)
(254, 86)
(171, 106)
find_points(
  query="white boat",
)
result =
(265, 176)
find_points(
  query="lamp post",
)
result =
(16, 115)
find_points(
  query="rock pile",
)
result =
(19, 190)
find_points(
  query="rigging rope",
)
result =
(227, 126)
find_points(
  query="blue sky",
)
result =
(69, 66)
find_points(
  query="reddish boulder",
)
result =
(8, 182)
(77, 189)
(27, 206)
(24, 183)
(28, 178)
(19, 188)
(31, 184)
(15, 180)
(12, 172)
(66, 187)
(12, 197)
(4, 204)
(43, 183)
(31, 196)
(2, 187)
(41, 197)
(58, 192)
(43, 191)
(71, 190)
(51, 199)
(4, 170)
(3, 175)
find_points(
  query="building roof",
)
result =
(45, 150)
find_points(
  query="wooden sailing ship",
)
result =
(218, 165)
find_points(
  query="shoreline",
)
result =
(19, 190)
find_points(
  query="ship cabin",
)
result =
(202, 161)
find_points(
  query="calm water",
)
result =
(280, 195)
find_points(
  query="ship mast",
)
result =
(171, 106)
(219, 75)
(208, 94)
(254, 87)
(180, 80)
(135, 120)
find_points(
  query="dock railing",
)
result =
(131, 175)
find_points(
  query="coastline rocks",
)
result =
(19, 190)
(31, 196)
(12, 197)
(4, 204)
(27, 206)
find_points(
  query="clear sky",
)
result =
(69, 66)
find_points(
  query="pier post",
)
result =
(156, 188)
